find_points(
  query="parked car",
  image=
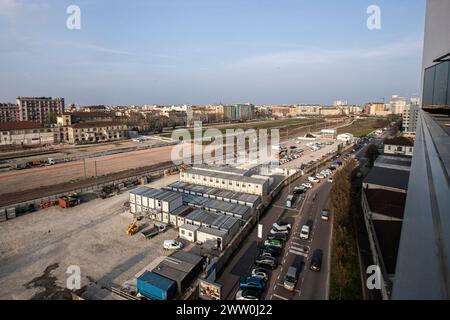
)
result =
(172, 245)
(260, 273)
(275, 231)
(307, 185)
(266, 262)
(248, 295)
(330, 179)
(319, 176)
(254, 283)
(316, 260)
(281, 225)
(272, 250)
(304, 232)
(325, 214)
(313, 179)
(299, 190)
(274, 243)
(278, 236)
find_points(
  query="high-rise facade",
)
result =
(36, 109)
(9, 112)
(398, 104)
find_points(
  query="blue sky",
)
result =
(210, 51)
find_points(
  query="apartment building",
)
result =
(308, 110)
(36, 109)
(409, 118)
(9, 112)
(397, 104)
(375, 109)
(91, 132)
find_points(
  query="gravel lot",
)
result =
(36, 249)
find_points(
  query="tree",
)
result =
(50, 118)
(372, 153)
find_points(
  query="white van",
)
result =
(304, 233)
(290, 279)
(172, 245)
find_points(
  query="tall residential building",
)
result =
(374, 108)
(423, 262)
(9, 112)
(36, 109)
(238, 112)
(409, 117)
(339, 103)
(398, 104)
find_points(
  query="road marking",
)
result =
(299, 249)
(298, 253)
(280, 297)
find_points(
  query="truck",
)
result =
(156, 287)
(68, 201)
(157, 229)
(290, 201)
(21, 165)
(52, 161)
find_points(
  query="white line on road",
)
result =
(298, 253)
(280, 297)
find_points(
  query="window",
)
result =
(190, 234)
(182, 232)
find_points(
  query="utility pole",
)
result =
(84, 167)
(95, 169)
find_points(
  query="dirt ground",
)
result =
(36, 249)
(18, 180)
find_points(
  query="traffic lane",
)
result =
(294, 251)
(315, 284)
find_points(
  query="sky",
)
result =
(210, 51)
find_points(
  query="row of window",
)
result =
(243, 185)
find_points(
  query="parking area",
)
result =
(307, 154)
(36, 249)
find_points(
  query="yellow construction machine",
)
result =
(132, 228)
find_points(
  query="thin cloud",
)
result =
(294, 58)
(11, 8)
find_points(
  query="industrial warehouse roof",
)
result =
(158, 194)
(392, 178)
(189, 227)
(201, 216)
(211, 231)
(181, 211)
(214, 192)
(217, 205)
(227, 176)
(187, 257)
(222, 169)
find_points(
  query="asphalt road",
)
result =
(310, 285)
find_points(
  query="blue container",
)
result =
(156, 287)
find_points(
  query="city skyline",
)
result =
(229, 52)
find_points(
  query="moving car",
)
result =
(248, 295)
(316, 260)
(281, 226)
(325, 214)
(290, 279)
(260, 273)
(172, 245)
(307, 185)
(304, 233)
(330, 179)
(254, 283)
(263, 261)
(299, 190)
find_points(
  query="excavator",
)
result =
(132, 228)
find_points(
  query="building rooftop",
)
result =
(388, 236)
(388, 203)
(222, 169)
(393, 162)
(391, 178)
(96, 124)
(189, 227)
(214, 232)
(19, 125)
(228, 176)
(400, 141)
